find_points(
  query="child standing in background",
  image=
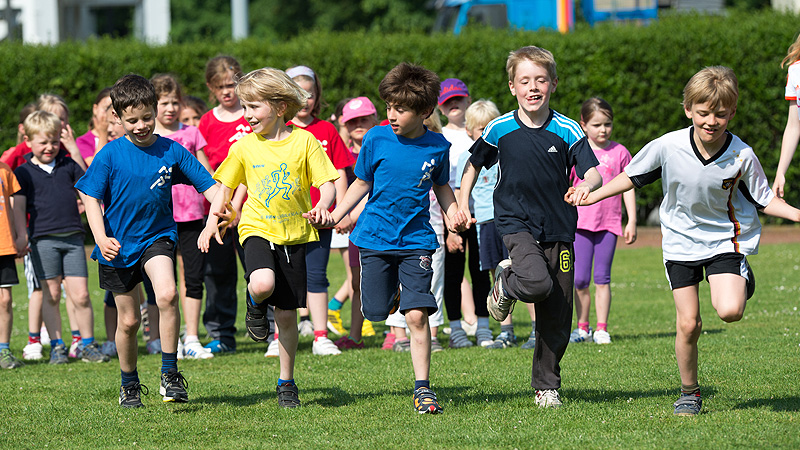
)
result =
(600, 224)
(318, 252)
(187, 210)
(192, 109)
(9, 229)
(97, 136)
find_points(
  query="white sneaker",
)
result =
(109, 349)
(579, 335)
(180, 349)
(32, 352)
(75, 349)
(273, 351)
(601, 337)
(44, 335)
(548, 398)
(325, 346)
(195, 350)
(305, 328)
(470, 328)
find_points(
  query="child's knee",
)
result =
(416, 318)
(731, 313)
(690, 326)
(167, 298)
(535, 290)
(128, 324)
(261, 288)
(582, 281)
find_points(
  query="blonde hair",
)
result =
(46, 102)
(533, 54)
(433, 122)
(480, 113)
(272, 86)
(42, 122)
(793, 54)
(716, 85)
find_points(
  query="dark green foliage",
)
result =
(640, 70)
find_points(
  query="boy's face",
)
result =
(263, 117)
(405, 121)
(168, 109)
(44, 147)
(139, 123)
(709, 123)
(475, 133)
(189, 116)
(455, 108)
(532, 86)
(357, 127)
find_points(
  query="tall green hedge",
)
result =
(640, 70)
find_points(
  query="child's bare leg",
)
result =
(77, 290)
(159, 270)
(583, 300)
(72, 312)
(399, 333)
(417, 320)
(129, 317)
(688, 327)
(51, 315)
(467, 302)
(318, 307)
(356, 318)
(6, 315)
(346, 289)
(602, 302)
(286, 320)
(728, 295)
(35, 311)
(154, 318)
(110, 319)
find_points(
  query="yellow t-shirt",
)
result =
(278, 175)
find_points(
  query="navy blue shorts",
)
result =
(317, 254)
(382, 272)
(491, 248)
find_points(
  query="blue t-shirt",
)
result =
(135, 185)
(402, 171)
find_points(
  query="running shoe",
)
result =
(195, 350)
(92, 353)
(154, 347)
(255, 320)
(75, 349)
(217, 346)
(483, 337)
(601, 337)
(173, 387)
(435, 345)
(323, 346)
(288, 395)
(579, 335)
(32, 352)
(388, 342)
(335, 322)
(8, 360)
(530, 344)
(688, 405)
(347, 343)
(130, 395)
(548, 398)
(504, 340)
(58, 354)
(305, 328)
(274, 350)
(425, 401)
(458, 339)
(366, 329)
(109, 348)
(402, 345)
(499, 304)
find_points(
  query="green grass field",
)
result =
(616, 396)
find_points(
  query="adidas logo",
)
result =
(552, 149)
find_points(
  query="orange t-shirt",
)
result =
(8, 187)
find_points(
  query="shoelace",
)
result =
(176, 377)
(132, 388)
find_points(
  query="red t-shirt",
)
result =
(15, 156)
(220, 136)
(334, 147)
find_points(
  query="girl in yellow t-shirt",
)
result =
(278, 164)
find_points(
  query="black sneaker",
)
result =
(688, 405)
(288, 395)
(173, 387)
(255, 320)
(425, 401)
(130, 395)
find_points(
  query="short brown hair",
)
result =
(165, 84)
(272, 86)
(593, 105)
(412, 86)
(716, 85)
(133, 91)
(42, 122)
(533, 54)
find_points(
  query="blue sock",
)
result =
(422, 384)
(289, 382)
(76, 333)
(483, 322)
(250, 298)
(36, 336)
(128, 377)
(169, 361)
(54, 342)
(455, 325)
(87, 341)
(335, 304)
(4, 346)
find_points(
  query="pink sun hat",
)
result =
(358, 107)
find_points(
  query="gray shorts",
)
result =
(55, 256)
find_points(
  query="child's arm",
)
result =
(320, 213)
(455, 219)
(201, 156)
(618, 185)
(468, 180)
(591, 181)
(629, 199)
(68, 141)
(777, 207)
(791, 136)
(354, 194)
(344, 225)
(109, 247)
(220, 205)
(18, 228)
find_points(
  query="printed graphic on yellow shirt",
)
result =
(277, 183)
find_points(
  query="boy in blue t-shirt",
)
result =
(133, 178)
(397, 166)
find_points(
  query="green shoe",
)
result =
(8, 360)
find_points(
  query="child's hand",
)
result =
(208, 232)
(778, 185)
(630, 233)
(455, 244)
(577, 195)
(568, 197)
(21, 246)
(345, 225)
(68, 138)
(460, 221)
(228, 217)
(319, 218)
(109, 248)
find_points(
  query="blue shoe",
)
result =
(688, 405)
(217, 346)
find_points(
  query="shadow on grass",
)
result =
(776, 404)
(639, 336)
(608, 395)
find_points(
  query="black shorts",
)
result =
(120, 280)
(688, 273)
(289, 264)
(193, 259)
(8, 271)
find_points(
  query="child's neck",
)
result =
(229, 114)
(279, 133)
(356, 145)
(456, 126)
(165, 130)
(534, 119)
(708, 151)
(303, 122)
(595, 146)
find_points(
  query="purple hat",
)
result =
(357, 107)
(452, 87)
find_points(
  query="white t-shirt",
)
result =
(709, 206)
(459, 143)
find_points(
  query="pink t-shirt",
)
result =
(187, 203)
(605, 215)
(87, 144)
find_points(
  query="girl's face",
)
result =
(168, 109)
(306, 111)
(223, 89)
(357, 127)
(102, 109)
(598, 128)
(190, 116)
